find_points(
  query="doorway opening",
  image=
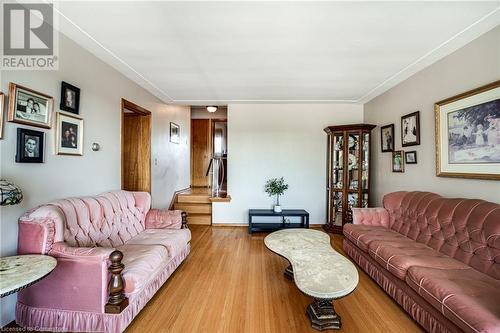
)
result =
(136, 147)
(209, 149)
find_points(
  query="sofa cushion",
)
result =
(174, 240)
(466, 296)
(142, 263)
(398, 255)
(363, 235)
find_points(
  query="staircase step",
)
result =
(193, 198)
(204, 219)
(191, 208)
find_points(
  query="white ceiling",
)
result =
(223, 52)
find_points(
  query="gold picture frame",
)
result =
(467, 128)
(69, 134)
(29, 107)
(2, 103)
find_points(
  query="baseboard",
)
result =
(220, 224)
(229, 224)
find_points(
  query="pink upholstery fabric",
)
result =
(371, 216)
(173, 240)
(431, 319)
(35, 236)
(471, 299)
(54, 319)
(79, 281)
(363, 235)
(447, 250)
(81, 233)
(464, 229)
(141, 263)
(398, 256)
(162, 218)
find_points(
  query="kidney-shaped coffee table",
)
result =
(318, 271)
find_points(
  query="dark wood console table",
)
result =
(270, 226)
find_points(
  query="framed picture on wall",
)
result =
(468, 134)
(69, 135)
(2, 103)
(27, 106)
(175, 133)
(398, 161)
(30, 146)
(70, 98)
(410, 129)
(387, 138)
(411, 157)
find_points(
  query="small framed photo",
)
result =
(30, 146)
(410, 129)
(2, 103)
(411, 157)
(387, 138)
(70, 98)
(69, 135)
(29, 107)
(468, 134)
(398, 161)
(175, 133)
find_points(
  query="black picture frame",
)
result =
(36, 141)
(382, 130)
(411, 160)
(175, 133)
(407, 138)
(65, 104)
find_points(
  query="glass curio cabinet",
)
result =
(348, 165)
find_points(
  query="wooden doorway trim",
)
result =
(144, 142)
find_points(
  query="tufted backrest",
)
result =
(108, 220)
(465, 229)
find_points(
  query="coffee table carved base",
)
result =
(289, 272)
(323, 315)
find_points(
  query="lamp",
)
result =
(10, 194)
(211, 108)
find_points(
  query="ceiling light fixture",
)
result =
(211, 108)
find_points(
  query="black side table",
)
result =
(252, 226)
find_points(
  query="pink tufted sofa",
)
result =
(81, 233)
(438, 258)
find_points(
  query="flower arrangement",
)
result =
(276, 186)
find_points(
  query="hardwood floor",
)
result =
(231, 283)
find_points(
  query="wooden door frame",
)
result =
(139, 110)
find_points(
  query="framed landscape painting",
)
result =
(468, 134)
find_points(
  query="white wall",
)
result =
(61, 176)
(274, 140)
(474, 65)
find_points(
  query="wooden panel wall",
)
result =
(201, 151)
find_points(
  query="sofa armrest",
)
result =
(166, 219)
(35, 236)
(79, 282)
(371, 216)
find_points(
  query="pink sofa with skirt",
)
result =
(438, 258)
(81, 233)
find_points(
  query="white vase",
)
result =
(277, 209)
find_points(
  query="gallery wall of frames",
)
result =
(467, 132)
(35, 109)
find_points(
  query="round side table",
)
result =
(19, 272)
